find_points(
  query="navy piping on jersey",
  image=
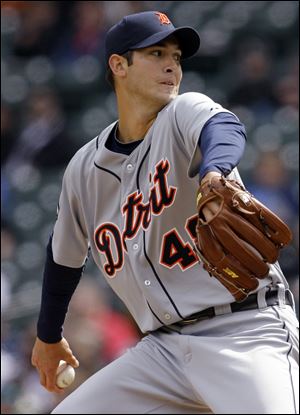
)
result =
(113, 145)
(102, 168)
(155, 314)
(127, 148)
(108, 171)
(139, 169)
(158, 279)
(144, 247)
(97, 142)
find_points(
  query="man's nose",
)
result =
(170, 64)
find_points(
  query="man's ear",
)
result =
(118, 65)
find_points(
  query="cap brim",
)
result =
(188, 38)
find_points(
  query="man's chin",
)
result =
(167, 98)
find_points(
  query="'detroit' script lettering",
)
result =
(137, 214)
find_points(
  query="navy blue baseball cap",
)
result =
(144, 29)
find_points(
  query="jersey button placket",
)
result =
(130, 167)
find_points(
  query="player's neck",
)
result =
(132, 131)
(133, 125)
(136, 115)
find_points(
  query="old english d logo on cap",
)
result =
(144, 29)
(163, 18)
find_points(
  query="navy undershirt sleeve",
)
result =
(59, 284)
(222, 143)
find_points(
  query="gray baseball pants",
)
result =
(237, 363)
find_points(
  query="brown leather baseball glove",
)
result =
(241, 238)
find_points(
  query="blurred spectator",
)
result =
(5, 196)
(38, 33)
(254, 84)
(286, 89)
(116, 10)
(8, 241)
(98, 335)
(8, 138)
(7, 132)
(8, 247)
(115, 332)
(85, 36)
(21, 390)
(43, 140)
(18, 5)
(271, 184)
(10, 371)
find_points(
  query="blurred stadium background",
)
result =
(54, 99)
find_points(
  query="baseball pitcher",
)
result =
(158, 201)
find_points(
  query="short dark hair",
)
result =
(109, 76)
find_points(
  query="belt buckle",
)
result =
(190, 321)
(194, 320)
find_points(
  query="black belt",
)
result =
(249, 304)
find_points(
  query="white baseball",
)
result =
(65, 374)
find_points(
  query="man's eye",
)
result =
(156, 52)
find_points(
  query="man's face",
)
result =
(155, 73)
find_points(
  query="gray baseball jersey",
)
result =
(137, 213)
